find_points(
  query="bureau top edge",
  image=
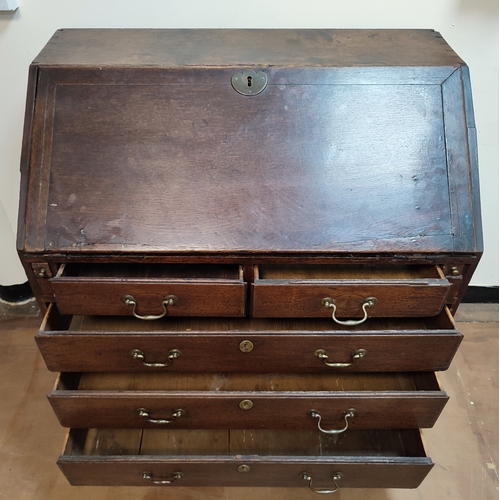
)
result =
(247, 47)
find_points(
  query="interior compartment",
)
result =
(267, 382)
(323, 272)
(264, 443)
(151, 271)
(54, 321)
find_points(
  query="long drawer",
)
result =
(115, 344)
(349, 293)
(150, 291)
(233, 400)
(298, 458)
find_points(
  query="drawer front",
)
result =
(226, 458)
(86, 344)
(280, 353)
(149, 300)
(150, 291)
(356, 292)
(262, 473)
(237, 401)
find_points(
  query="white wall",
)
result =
(469, 26)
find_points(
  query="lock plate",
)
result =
(249, 82)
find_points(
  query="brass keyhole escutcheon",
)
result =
(249, 82)
(244, 468)
(246, 404)
(246, 346)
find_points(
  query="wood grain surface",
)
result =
(93, 343)
(31, 437)
(277, 401)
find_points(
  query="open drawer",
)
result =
(117, 344)
(348, 291)
(299, 459)
(233, 400)
(150, 291)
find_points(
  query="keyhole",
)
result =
(249, 81)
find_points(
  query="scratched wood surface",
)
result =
(463, 443)
(169, 158)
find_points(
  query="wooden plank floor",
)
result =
(463, 444)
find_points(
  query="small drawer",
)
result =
(248, 401)
(251, 458)
(103, 344)
(348, 293)
(150, 291)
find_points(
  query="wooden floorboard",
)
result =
(463, 443)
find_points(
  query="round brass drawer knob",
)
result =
(246, 404)
(244, 468)
(246, 346)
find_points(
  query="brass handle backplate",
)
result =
(329, 303)
(336, 477)
(169, 300)
(357, 354)
(175, 415)
(347, 414)
(149, 476)
(172, 355)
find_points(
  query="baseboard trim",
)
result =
(481, 295)
(16, 293)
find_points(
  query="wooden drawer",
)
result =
(150, 291)
(251, 401)
(363, 459)
(113, 344)
(348, 291)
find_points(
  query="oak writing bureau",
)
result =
(249, 246)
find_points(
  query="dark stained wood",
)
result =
(361, 463)
(214, 192)
(458, 129)
(104, 103)
(359, 155)
(200, 290)
(105, 344)
(101, 135)
(31, 438)
(296, 291)
(202, 190)
(279, 401)
(230, 47)
(25, 156)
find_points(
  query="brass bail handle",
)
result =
(172, 355)
(143, 412)
(149, 476)
(347, 414)
(329, 303)
(336, 477)
(357, 354)
(169, 300)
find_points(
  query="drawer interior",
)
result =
(229, 382)
(54, 322)
(244, 442)
(369, 272)
(151, 271)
